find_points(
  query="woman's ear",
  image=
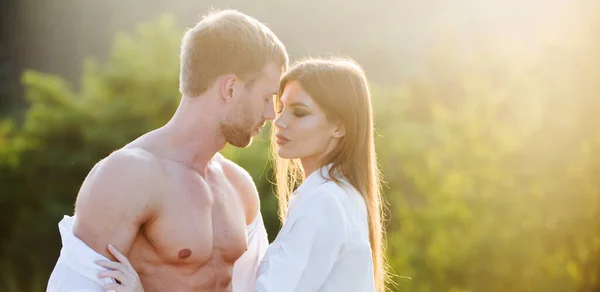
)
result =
(340, 130)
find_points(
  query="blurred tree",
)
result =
(491, 162)
(44, 161)
(492, 172)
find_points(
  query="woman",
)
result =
(332, 236)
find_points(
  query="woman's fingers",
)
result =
(117, 275)
(123, 259)
(122, 271)
(111, 265)
(113, 286)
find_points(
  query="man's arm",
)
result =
(245, 268)
(115, 200)
(244, 185)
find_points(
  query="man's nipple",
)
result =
(184, 253)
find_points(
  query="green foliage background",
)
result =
(491, 162)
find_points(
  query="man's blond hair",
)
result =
(226, 42)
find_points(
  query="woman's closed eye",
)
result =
(296, 111)
(299, 112)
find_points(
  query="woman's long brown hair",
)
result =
(340, 88)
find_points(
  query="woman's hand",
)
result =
(122, 271)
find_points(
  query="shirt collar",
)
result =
(316, 178)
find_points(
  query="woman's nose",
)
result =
(280, 122)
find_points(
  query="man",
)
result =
(168, 200)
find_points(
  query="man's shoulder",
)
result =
(232, 170)
(132, 154)
(124, 170)
(128, 159)
(243, 183)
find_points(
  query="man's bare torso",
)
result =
(199, 234)
(193, 234)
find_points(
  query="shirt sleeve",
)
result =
(306, 248)
(246, 267)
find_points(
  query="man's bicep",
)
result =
(111, 207)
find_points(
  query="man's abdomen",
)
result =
(212, 276)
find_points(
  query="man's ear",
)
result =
(227, 86)
(340, 130)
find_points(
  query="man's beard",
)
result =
(238, 133)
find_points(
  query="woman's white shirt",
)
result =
(324, 243)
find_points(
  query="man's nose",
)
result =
(269, 113)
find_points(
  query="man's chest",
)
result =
(199, 221)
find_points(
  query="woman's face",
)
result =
(303, 130)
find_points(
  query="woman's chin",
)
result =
(283, 154)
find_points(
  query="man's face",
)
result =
(252, 107)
